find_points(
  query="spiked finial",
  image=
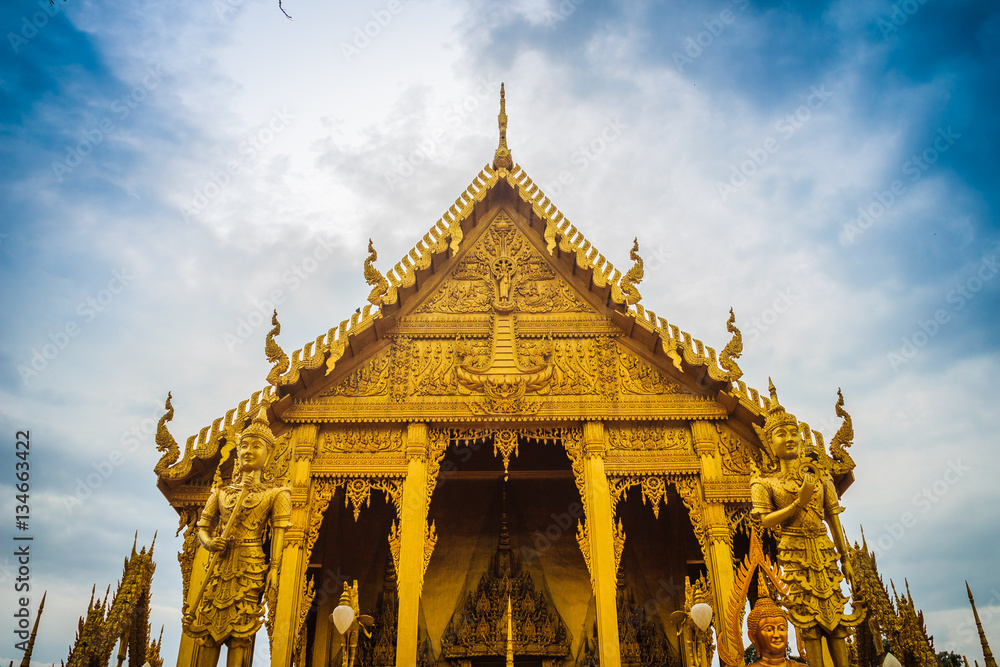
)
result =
(26, 660)
(502, 158)
(988, 658)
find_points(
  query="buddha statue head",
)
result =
(767, 628)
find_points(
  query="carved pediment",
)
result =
(503, 272)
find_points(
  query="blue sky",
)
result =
(166, 168)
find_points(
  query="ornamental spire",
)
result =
(502, 158)
(987, 654)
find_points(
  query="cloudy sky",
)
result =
(169, 169)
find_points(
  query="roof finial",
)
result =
(987, 654)
(502, 158)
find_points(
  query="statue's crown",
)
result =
(260, 427)
(776, 414)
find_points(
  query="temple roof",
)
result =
(319, 364)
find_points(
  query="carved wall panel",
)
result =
(373, 378)
(649, 438)
(361, 440)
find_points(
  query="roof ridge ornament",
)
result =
(502, 158)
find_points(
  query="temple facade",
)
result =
(514, 459)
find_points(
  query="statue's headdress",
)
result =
(260, 427)
(776, 416)
(765, 608)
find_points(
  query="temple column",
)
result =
(291, 576)
(601, 527)
(412, 526)
(188, 652)
(718, 546)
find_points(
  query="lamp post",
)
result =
(694, 625)
(348, 620)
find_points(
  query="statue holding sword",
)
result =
(233, 526)
(797, 503)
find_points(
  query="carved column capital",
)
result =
(594, 443)
(416, 441)
(704, 437)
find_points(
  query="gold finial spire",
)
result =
(502, 158)
(987, 654)
(26, 660)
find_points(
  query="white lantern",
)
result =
(891, 661)
(701, 614)
(342, 617)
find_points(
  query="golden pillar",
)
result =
(718, 544)
(189, 651)
(601, 526)
(412, 522)
(291, 576)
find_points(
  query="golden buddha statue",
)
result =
(232, 526)
(798, 502)
(767, 628)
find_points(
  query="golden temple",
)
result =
(453, 464)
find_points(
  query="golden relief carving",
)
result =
(689, 489)
(433, 363)
(373, 378)
(649, 438)
(357, 492)
(430, 540)
(736, 455)
(361, 441)
(653, 488)
(503, 272)
(583, 540)
(619, 538)
(638, 377)
(394, 543)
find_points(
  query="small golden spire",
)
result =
(987, 654)
(502, 158)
